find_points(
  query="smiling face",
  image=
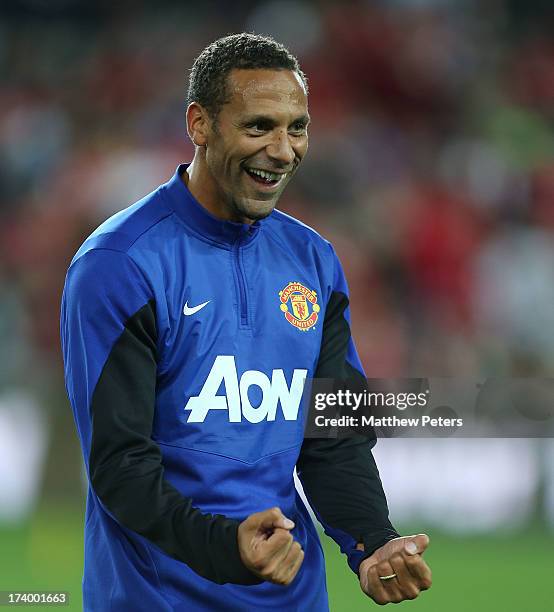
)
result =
(248, 155)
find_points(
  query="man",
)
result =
(189, 323)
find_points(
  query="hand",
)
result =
(267, 547)
(401, 556)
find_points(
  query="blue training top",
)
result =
(186, 342)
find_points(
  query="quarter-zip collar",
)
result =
(194, 215)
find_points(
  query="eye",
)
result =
(298, 129)
(258, 128)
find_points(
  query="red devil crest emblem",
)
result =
(299, 305)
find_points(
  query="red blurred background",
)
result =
(430, 168)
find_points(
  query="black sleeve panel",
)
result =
(334, 343)
(340, 476)
(342, 482)
(126, 468)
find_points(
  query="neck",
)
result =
(203, 187)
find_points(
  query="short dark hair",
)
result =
(208, 76)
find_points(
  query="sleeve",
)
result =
(109, 341)
(339, 476)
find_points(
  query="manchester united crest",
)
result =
(299, 305)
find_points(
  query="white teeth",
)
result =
(270, 176)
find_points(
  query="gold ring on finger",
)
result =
(389, 577)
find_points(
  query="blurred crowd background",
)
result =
(431, 169)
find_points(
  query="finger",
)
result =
(295, 567)
(289, 566)
(269, 519)
(416, 544)
(419, 570)
(375, 588)
(277, 566)
(263, 551)
(391, 586)
(294, 553)
(270, 556)
(277, 545)
(407, 583)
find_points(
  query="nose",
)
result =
(280, 148)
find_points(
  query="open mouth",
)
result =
(264, 177)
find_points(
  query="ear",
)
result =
(197, 124)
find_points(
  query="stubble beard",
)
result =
(246, 212)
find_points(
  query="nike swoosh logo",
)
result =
(187, 310)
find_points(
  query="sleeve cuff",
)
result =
(228, 564)
(371, 543)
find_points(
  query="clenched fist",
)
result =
(396, 571)
(267, 547)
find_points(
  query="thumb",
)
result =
(416, 544)
(273, 518)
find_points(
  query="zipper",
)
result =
(239, 270)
